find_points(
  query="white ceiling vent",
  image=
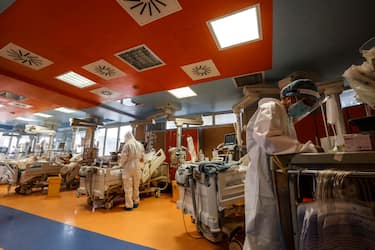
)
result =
(19, 105)
(248, 79)
(140, 58)
(106, 93)
(12, 96)
(201, 70)
(147, 11)
(104, 70)
(25, 57)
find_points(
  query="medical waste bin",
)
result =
(54, 186)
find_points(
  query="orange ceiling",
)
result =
(72, 34)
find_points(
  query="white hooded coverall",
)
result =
(132, 153)
(269, 131)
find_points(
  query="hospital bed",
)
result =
(27, 174)
(213, 194)
(104, 185)
(31, 172)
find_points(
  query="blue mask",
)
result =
(298, 109)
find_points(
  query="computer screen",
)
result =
(230, 139)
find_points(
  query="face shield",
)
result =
(307, 95)
(310, 109)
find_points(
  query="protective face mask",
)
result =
(298, 109)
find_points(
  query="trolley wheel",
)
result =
(214, 237)
(108, 204)
(89, 201)
(28, 191)
(235, 244)
(237, 239)
(157, 194)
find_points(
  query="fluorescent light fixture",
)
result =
(1, 105)
(25, 119)
(65, 110)
(236, 28)
(75, 79)
(128, 102)
(43, 115)
(182, 92)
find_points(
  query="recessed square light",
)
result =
(75, 79)
(25, 119)
(43, 115)
(182, 92)
(237, 28)
(65, 110)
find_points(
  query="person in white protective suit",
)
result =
(270, 131)
(131, 155)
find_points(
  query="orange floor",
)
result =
(156, 223)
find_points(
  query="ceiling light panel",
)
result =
(146, 11)
(140, 58)
(23, 56)
(237, 28)
(25, 119)
(1, 106)
(43, 115)
(65, 110)
(182, 92)
(128, 102)
(104, 70)
(75, 79)
(201, 70)
(106, 93)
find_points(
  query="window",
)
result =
(24, 143)
(207, 120)
(172, 125)
(222, 119)
(347, 98)
(80, 141)
(13, 145)
(100, 141)
(4, 142)
(111, 141)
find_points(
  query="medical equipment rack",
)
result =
(286, 184)
(214, 200)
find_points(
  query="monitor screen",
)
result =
(230, 139)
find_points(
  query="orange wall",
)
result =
(211, 137)
(204, 138)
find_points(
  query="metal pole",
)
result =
(73, 146)
(179, 136)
